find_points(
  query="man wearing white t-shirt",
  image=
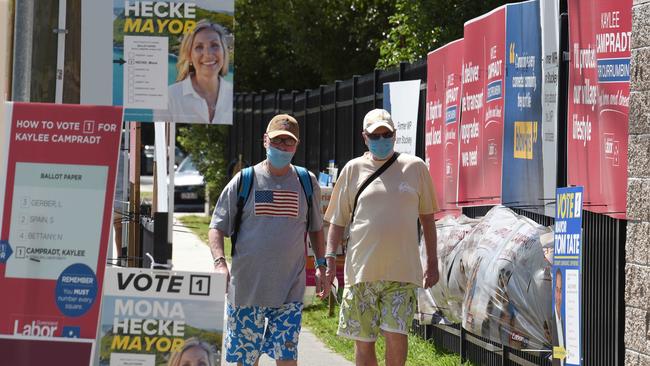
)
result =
(382, 265)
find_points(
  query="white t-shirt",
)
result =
(383, 241)
(186, 105)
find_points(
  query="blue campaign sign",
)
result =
(522, 181)
(567, 274)
(5, 251)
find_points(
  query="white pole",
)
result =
(60, 56)
(170, 190)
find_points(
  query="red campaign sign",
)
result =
(598, 111)
(60, 180)
(441, 127)
(481, 127)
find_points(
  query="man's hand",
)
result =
(322, 284)
(222, 267)
(330, 273)
(431, 275)
(215, 240)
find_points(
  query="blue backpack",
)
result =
(244, 190)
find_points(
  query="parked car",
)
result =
(189, 187)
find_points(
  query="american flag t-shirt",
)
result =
(276, 203)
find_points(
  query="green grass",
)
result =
(146, 197)
(199, 226)
(420, 352)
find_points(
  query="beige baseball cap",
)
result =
(283, 124)
(377, 118)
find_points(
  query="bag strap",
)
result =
(370, 179)
(243, 191)
(305, 182)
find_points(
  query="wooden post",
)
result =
(133, 247)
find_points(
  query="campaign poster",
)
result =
(522, 143)
(567, 273)
(56, 217)
(153, 318)
(598, 111)
(481, 125)
(173, 60)
(549, 19)
(402, 101)
(441, 123)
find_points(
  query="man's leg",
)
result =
(396, 348)
(282, 333)
(364, 353)
(286, 362)
(244, 332)
(397, 302)
(359, 321)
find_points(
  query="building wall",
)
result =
(637, 266)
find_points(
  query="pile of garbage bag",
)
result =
(495, 278)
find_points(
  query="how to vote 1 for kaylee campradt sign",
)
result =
(56, 194)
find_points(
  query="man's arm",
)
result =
(215, 240)
(431, 274)
(317, 239)
(334, 238)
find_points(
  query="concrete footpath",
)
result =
(191, 254)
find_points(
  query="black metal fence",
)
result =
(330, 117)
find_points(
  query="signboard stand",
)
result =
(134, 253)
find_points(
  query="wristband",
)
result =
(330, 255)
(219, 259)
(320, 262)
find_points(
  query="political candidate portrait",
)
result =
(201, 94)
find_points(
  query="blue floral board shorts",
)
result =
(247, 339)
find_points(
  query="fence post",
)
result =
(337, 83)
(262, 122)
(562, 101)
(402, 70)
(355, 80)
(305, 130)
(462, 350)
(375, 81)
(321, 90)
(278, 100)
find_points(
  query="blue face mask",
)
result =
(381, 148)
(278, 158)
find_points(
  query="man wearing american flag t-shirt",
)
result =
(267, 278)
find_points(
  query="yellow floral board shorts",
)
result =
(369, 307)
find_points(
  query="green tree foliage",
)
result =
(300, 44)
(420, 26)
(206, 144)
